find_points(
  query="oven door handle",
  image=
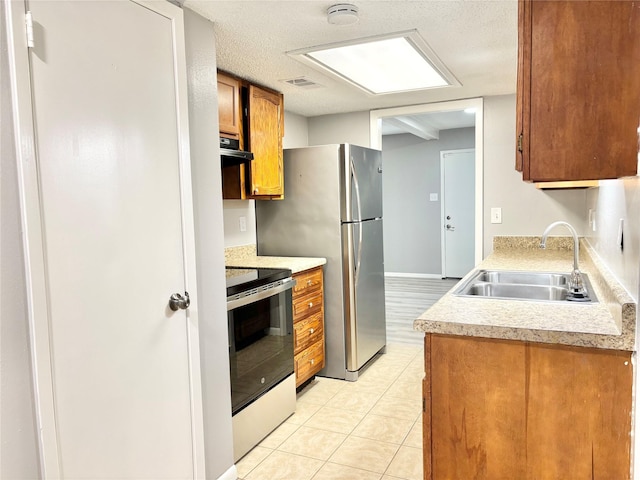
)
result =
(263, 292)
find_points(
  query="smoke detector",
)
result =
(342, 14)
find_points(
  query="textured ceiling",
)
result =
(476, 40)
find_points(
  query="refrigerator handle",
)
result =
(357, 188)
(356, 185)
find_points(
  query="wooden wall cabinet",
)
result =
(496, 409)
(308, 324)
(260, 128)
(578, 90)
(229, 108)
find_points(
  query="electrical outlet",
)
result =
(620, 238)
(243, 224)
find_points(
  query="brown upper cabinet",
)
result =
(258, 120)
(578, 91)
(229, 109)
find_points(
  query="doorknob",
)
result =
(448, 217)
(179, 302)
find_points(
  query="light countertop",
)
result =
(608, 324)
(245, 256)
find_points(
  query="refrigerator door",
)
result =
(361, 171)
(363, 270)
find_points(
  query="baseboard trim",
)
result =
(231, 474)
(413, 275)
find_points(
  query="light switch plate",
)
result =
(433, 197)
(496, 215)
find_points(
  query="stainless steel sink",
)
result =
(522, 285)
(521, 291)
(526, 278)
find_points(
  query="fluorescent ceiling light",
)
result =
(380, 65)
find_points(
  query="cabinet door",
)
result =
(229, 106)
(524, 80)
(581, 89)
(579, 413)
(499, 409)
(477, 408)
(265, 142)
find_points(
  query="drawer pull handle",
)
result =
(311, 330)
(310, 304)
(309, 282)
(313, 360)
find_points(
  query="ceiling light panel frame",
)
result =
(412, 38)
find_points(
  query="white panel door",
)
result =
(113, 208)
(458, 212)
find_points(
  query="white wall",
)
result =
(525, 209)
(612, 201)
(343, 128)
(207, 202)
(296, 131)
(296, 134)
(19, 454)
(412, 232)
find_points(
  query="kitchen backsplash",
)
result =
(612, 201)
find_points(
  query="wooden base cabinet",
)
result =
(308, 324)
(496, 409)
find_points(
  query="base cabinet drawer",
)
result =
(308, 324)
(307, 281)
(309, 362)
(307, 332)
(307, 305)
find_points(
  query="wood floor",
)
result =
(406, 298)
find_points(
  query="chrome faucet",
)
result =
(576, 284)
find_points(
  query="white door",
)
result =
(116, 369)
(458, 212)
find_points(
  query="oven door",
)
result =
(260, 341)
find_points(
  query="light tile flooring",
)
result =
(365, 430)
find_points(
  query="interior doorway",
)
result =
(408, 116)
(457, 174)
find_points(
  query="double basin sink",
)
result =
(522, 285)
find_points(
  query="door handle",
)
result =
(179, 302)
(449, 227)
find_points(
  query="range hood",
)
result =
(230, 153)
(234, 157)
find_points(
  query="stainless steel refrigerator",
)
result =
(332, 208)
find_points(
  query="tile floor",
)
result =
(365, 430)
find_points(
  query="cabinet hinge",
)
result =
(28, 20)
(520, 143)
(424, 405)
